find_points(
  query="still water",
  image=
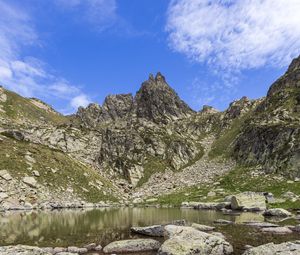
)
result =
(80, 227)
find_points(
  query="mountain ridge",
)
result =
(130, 139)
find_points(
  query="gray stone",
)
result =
(277, 212)
(30, 181)
(249, 201)
(74, 249)
(3, 196)
(223, 222)
(133, 245)
(188, 241)
(4, 174)
(156, 230)
(288, 248)
(202, 227)
(277, 230)
(22, 250)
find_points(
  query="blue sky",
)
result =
(73, 52)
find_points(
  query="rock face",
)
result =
(249, 201)
(276, 123)
(289, 248)
(155, 101)
(158, 102)
(133, 245)
(187, 240)
(115, 107)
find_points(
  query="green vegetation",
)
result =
(238, 180)
(19, 109)
(153, 165)
(222, 146)
(57, 170)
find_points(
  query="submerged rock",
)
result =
(155, 230)
(288, 248)
(260, 224)
(133, 245)
(223, 222)
(250, 201)
(187, 240)
(277, 230)
(277, 212)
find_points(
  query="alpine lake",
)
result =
(63, 228)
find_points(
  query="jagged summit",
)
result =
(158, 102)
(155, 101)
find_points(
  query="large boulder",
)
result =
(187, 240)
(277, 212)
(289, 248)
(133, 245)
(30, 181)
(155, 230)
(250, 201)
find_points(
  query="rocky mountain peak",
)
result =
(155, 101)
(160, 78)
(207, 109)
(295, 65)
(239, 107)
(158, 102)
(290, 80)
(117, 106)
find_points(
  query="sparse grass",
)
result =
(153, 165)
(238, 180)
(20, 108)
(57, 170)
(221, 147)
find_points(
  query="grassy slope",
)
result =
(238, 180)
(70, 173)
(19, 108)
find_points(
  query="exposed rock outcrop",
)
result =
(187, 240)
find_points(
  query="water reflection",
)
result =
(77, 227)
(80, 227)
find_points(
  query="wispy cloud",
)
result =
(27, 75)
(231, 36)
(236, 35)
(100, 13)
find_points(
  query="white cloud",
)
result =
(27, 75)
(81, 100)
(235, 35)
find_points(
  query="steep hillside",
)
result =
(270, 136)
(17, 110)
